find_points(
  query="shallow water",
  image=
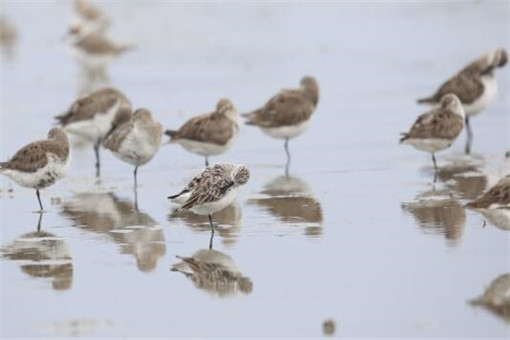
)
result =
(358, 233)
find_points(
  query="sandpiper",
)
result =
(91, 16)
(213, 189)
(96, 115)
(438, 128)
(494, 205)
(40, 164)
(287, 114)
(475, 86)
(137, 140)
(92, 49)
(211, 133)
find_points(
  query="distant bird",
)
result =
(40, 164)
(8, 33)
(212, 190)
(95, 116)
(94, 50)
(287, 114)
(211, 133)
(91, 16)
(437, 129)
(475, 86)
(496, 297)
(137, 140)
(214, 272)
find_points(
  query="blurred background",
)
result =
(357, 234)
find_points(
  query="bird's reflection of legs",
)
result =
(206, 160)
(39, 222)
(435, 167)
(211, 223)
(287, 152)
(98, 162)
(469, 139)
(211, 240)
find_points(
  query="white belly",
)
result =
(287, 132)
(480, 104)
(212, 207)
(42, 178)
(498, 217)
(94, 129)
(92, 60)
(136, 149)
(429, 145)
(205, 149)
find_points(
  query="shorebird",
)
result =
(209, 134)
(287, 114)
(136, 141)
(496, 297)
(91, 16)
(92, 49)
(95, 116)
(475, 86)
(438, 128)
(495, 204)
(212, 190)
(40, 164)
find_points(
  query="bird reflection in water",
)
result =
(290, 200)
(464, 177)
(135, 231)
(438, 212)
(41, 254)
(215, 272)
(496, 298)
(8, 38)
(228, 222)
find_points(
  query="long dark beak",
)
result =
(110, 132)
(487, 70)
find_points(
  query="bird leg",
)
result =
(39, 222)
(134, 173)
(469, 140)
(287, 152)
(98, 162)
(206, 160)
(39, 199)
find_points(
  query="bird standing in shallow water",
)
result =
(212, 190)
(437, 129)
(95, 116)
(287, 114)
(40, 164)
(209, 134)
(136, 141)
(475, 86)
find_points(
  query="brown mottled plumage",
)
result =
(34, 156)
(96, 43)
(498, 195)
(467, 84)
(288, 107)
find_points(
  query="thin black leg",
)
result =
(287, 152)
(211, 240)
(206, 160)
(98, 162)
(469, 139)
(39, 198)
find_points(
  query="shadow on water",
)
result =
(41, 254)
(136, 232)
(496, 297)
(291, 201)
(227, 222)
(215, 272)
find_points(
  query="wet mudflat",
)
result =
(357, 233)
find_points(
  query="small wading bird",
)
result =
(475, 86)
(136, 141)
(40, 164)
(287, 114)
(95, 116)
(91, 16)
(209, 134)
(437, 129)
(212, 190)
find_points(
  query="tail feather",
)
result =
(404, 137)
(171, 133)
(428, 100)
